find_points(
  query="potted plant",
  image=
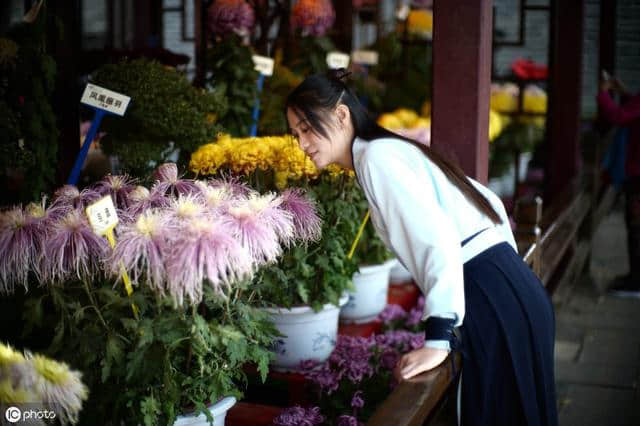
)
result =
(304, 290)
(189, 249)
(167, 117)
(371, 281)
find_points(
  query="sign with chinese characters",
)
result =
(102, 215)
(337, 60)
(403, 12)
(365, 57)
(263, 64)
(105, 99)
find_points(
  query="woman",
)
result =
(453, 235)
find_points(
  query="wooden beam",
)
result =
(461, 82)
(607, 53)
(565, 80)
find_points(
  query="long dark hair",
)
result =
(320, 93)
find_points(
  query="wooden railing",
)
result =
(556, 244)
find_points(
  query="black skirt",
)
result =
(507, 343)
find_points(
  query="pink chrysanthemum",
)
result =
(307, 224)
(168, 182)
(313, 17)
(119, 187)
(185, 207)
(233, 185)
(141, 248)
(296, 416)
(216, 197)
(21, 244)
(230, 16)
(261, 226)
(69, 197)
(72, 249)
(141, 199)
(204, 250)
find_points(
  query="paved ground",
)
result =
(598, 340)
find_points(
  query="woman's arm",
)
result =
(620, 115)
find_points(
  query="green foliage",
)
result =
(165, 108)
(320, 272)
(28, 132)
(149, 370)
(518, 137)
(273, 120)
(230, 71)
(312, 55)
(405, 69)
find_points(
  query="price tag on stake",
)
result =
(102, 216)
(103, 219)
(263, 64)
(105, 99)
(364, 57)
(337, 60)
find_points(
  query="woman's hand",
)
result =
(418, 361)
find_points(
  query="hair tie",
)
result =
(339, 74)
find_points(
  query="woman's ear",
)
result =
(344, 115)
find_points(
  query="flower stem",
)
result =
(94, 304)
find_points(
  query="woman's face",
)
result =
(322, 151)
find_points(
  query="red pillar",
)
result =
(461, 82)
(565, 81)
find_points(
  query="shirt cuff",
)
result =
(438, 344)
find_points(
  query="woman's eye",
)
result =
(304, 130)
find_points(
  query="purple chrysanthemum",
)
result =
(313, 17)
(21, 245)
(69, 197)
(204, 249)
(357, 401)
(299, 416)
(307, 224)
(72, 249)
(345, 420)
(392, 313)
(416, 313)
(167, 181)
(141, 248)
(230, 16)
(216, 197)
(184, 208)
(119, 187)
(233, 185)
(141, 199)
(261, 226)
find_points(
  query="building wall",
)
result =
(628, 43)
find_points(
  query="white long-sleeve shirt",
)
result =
(423, 218)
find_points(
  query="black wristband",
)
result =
(437, 328)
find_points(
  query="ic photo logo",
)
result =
(13, 414)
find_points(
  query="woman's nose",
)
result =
(303, 143)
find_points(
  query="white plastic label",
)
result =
(403, 12)
(102, 215)
(365, 57)
(105, 99)
(263, 64)
(337, 60)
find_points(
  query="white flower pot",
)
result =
(370, 295)
(217, 410)
(400, 275)
(307, 334)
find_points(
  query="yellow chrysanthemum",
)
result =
(55, 372)
(9, 356)
(9, 394)
(420, 22)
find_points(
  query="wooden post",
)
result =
(607, 54)
(344, 24)
(461, 82)
(565, 80)
(66, 50)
